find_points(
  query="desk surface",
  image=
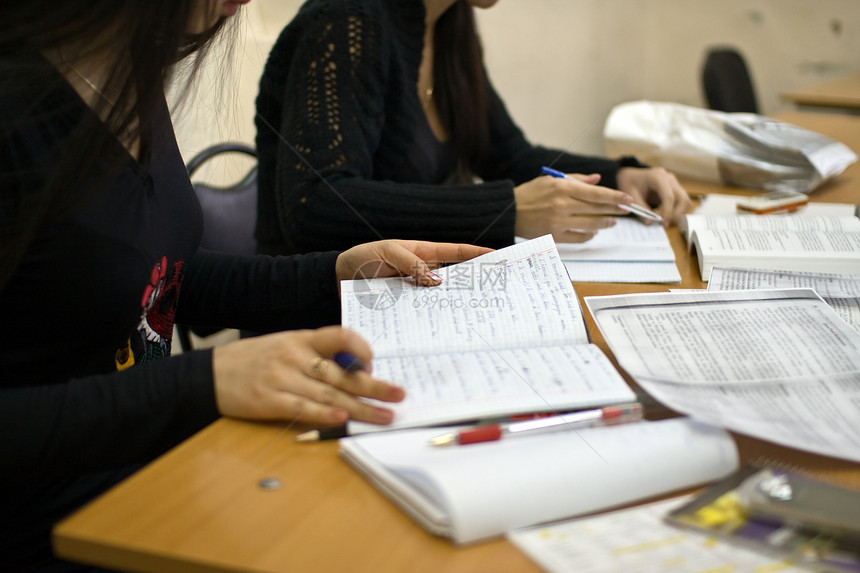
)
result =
(199, 507)
(842, 92)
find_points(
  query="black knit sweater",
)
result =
(337, 121)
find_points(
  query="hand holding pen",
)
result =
(299, 376)
(573, 209)
(630, 208)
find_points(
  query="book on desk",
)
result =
(790, 242)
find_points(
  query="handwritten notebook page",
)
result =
(511, 298)
(503, 334)
(471, 385)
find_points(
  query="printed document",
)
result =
(842, 292)
(780, 365)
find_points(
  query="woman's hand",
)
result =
(394, 258)
(656, 186)
(292, 376)
(568, 208)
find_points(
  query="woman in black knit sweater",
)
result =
(375, 118)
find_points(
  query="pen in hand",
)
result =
(635, 209)
(609, 415)
(350, 363)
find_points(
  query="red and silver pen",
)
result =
(609, 415)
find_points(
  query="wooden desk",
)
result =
(199, 507)
(842, 92)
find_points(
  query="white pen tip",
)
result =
(444, 440)
(310, 436)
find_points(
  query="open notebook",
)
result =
(503, 334)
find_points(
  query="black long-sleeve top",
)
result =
(87, 384)
(339, 128)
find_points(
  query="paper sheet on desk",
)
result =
(779, 365)
(842, 292)
(629, 252)
(626, 272)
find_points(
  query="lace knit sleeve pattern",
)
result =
(321, 122)
(336, 117)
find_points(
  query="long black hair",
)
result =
(139, 41)
(461, 91)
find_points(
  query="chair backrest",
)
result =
(727, 82)
(229, 213)
(229, 218)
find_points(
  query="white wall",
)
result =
(561, 65)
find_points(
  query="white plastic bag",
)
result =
(741, 149)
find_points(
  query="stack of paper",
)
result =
(479, 491)
(629, 252)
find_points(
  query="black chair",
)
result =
(727, 82)
(229, 217)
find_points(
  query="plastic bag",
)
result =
(740, 149)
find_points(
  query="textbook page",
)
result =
(514, 297)
(638, 539)
(842, 292)
(779, 365)
(792, 246)
(483, 490)
(773, 223)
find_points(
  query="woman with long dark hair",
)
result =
(99, 234)
(376, 119)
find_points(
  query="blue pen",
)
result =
(348, 362)
(635, 209)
